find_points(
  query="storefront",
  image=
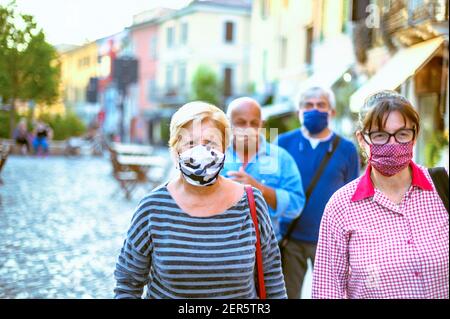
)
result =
(419, 72)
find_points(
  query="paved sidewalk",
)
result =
(62, 223)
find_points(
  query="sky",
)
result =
(80, 21)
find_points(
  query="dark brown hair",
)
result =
(378, 106)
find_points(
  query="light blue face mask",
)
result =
(315, 121)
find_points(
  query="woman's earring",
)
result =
(365, 155)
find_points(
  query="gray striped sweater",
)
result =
(176, 255)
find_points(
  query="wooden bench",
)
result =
(11, 144)
(132, 164)
(127, 178)
(132, 149)
(57, 147)
(4, 153)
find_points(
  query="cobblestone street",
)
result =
(62, 223)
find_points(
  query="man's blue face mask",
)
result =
(315, 121)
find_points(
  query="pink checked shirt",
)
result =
(370, 247)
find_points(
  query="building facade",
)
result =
(408, 52)
(211, 33)
(170, 46)
(145, 46)
(118, 105)
(299, 44)
(78, 66)
(279, 31)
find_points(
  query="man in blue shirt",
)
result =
(252, 160)
(308, 146)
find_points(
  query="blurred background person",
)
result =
(309, 146)
(42, 135)
(21, 136)
(267, 167)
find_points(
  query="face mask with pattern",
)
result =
(389, 159)
(201, 165)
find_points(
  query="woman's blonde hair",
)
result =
(198, 111)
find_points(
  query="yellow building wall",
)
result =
(286, 22)
(333, 18)
(77, 66)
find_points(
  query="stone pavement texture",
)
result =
(62, 224)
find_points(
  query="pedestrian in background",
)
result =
(385, 235)
(267, 167)
(326, 162)
(194, 237)
(42, 134)
(21, 136)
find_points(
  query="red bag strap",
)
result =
(261, 289)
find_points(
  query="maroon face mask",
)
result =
(389, 159)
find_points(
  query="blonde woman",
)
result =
(194, 237)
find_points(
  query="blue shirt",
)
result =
(272, 166)
(342, 168)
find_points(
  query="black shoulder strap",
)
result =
(311, 187)
(322, 166)
(440, 180)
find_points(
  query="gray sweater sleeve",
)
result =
(133, 265)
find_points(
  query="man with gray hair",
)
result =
(252, 160)
(326, 162)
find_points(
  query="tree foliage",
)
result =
(64, 126)
(28, 64)
(206, 86)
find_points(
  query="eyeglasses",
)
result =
(402, 136)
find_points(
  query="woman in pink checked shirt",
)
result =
(385, 235)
